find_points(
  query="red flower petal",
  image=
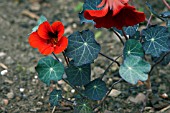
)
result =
(58, 28)
(128, 16)
(44, 30)
(35, 40)
(61, 45)
(91, 14)
(46, 49)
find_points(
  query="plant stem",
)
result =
(55, 56)
(110, 59)
(124, 34)
(67, 62)
(68, 100)
(74, 88)
(109, 66)
(101, 102)
(166, 3)
(53, 109)
(149, 21)
(121, 40)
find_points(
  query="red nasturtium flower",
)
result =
(49, 39)
(115, 13)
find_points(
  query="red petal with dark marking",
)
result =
(44, 30)
(61, 45)
(58, 28)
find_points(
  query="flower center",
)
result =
(53, 38)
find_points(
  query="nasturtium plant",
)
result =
(134, 68)
(78, 75)
(96, 89)
(49, 69)
(82, 47)
(155, 40)
(55, 97)
(130, 30)
(80, 50)
(133, 47)
(83, 106)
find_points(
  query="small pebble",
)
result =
(5, 101)
(73, 91)
(10, 95)
(21, 89)
(4, 72)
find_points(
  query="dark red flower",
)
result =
(124, 15)
(49, 39)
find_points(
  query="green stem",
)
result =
(121, 40)
(55, 56)
(124, 34)
(110, 59)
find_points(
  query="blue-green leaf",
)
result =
(155, 40)
(130, 30)
(40, 20)
(78, 75)
(165, 14)
(55, 97)
(82, 47)
(89, 5)
(134, 68)
(96, 89)
(133, 47)
(83, 106)
(49, 69)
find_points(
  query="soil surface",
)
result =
(20, 89)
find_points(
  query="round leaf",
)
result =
(49, 69)
(155, 40)
(134, 68)
(130, 30)
(83, 106)
(55, 96)
(133, 47)
(79, 75)
(82, 47)
(96, 89)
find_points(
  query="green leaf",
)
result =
(79, 75)
(83, 106)
(165, 14)
(134, 68)
(89, 5)
(49, 69)
(96, 89)
(136, 36)
(155, 40)
(130, 30)
(133, 47)
(40, 20)
(82, 47)
(55, 97)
